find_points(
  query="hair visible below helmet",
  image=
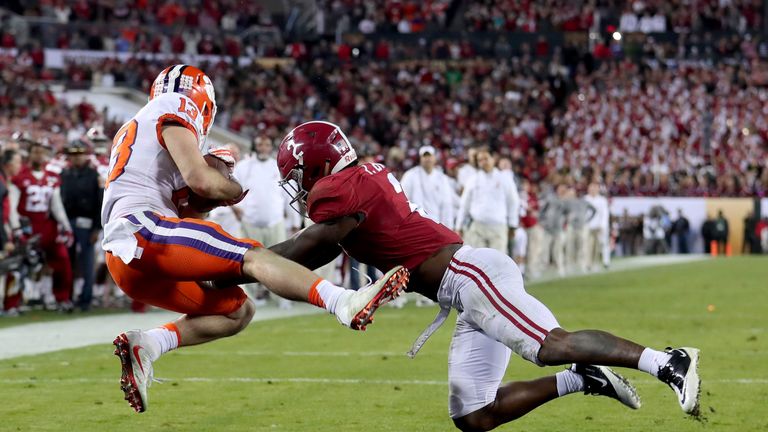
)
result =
(191, 82)
(308, 153)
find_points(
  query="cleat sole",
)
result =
(127, 380)
(392, 288)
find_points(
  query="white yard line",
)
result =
(39, 338)
(301, 380)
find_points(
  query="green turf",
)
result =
(77, 390)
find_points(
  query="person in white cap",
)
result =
(428, 187)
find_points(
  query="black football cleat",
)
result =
(681, 373)
(603, 381)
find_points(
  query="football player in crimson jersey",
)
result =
(39, 199)
(361, 209)
(168, 261)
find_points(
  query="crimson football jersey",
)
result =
(394, 231)
(36, 194)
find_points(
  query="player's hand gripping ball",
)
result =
(201, 204)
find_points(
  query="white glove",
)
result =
(224, 155)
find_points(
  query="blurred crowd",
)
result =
(646, 16)
(684, 129)
(692, 130)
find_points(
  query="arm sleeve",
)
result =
(466, 196)
(180, 110)
(98, 192)
(57, 209)
(329, 201)
(407, 182)
(447, 211)
(513, 204)
(605, 223)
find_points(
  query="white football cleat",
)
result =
(358, 307)
(681, 373)
(132, 349)
(603, 381)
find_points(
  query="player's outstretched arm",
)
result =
(318, 244)
(204, 180)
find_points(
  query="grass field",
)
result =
(310, 374)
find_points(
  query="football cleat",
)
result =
(603, 381)
(359, 306)
(681, 373)
(132, 349)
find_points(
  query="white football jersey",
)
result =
(142, 174)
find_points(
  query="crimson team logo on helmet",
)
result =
(191, 82)
(309, 152)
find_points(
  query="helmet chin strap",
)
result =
(327, 169)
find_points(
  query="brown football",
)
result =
(201, 204)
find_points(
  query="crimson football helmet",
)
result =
(309, 152)
(191, 82)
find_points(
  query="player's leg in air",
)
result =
(170, 262)
(498, 317)
(175, 253)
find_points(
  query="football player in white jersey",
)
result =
(188, 265)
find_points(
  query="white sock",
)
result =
(651, 361)
(522, 268)
(569, 382)
(330, 294)
(166, 340)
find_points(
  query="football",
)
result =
(217, 163)
(201, 204)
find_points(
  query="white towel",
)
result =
(120, 239)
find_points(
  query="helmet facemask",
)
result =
(292, 185)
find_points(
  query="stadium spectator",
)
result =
(720, 233)
(530, 257)
(11, 165)
(553, 218)
(520, 237)
(488, 214)
(681, 229)
(598, 247)
(580, 212)
(10, 283)
(654, 232)
(428, 187)
(81, 194)
(40, 201)
(761, 229)
(265, 210)
(468, 169)
(707, 233)
(751, 243)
